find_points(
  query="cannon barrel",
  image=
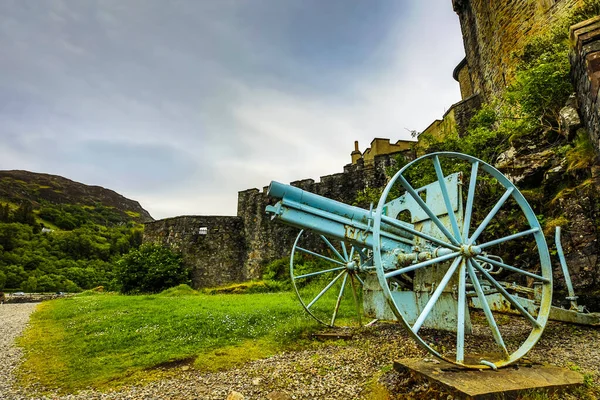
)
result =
(293, 194)
(328, 217)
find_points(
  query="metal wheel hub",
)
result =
(351, 266)
(469, 250)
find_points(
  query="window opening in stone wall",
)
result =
(203, 231)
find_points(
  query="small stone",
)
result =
(278, 395)
(256, 381)
(185, 368)
(504, 159)
(233, 395)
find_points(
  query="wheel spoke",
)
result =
(486, 310)
(345, 251)
(506, 295)
(427, 210)
(360, 280)
(356, 302)
(421, 265)
(320, 255)
(460, 324)
(510, 237)
(415, 232)
(339, 300)
(491, 215)
(337, 253)
(325, 289)
(351, 253)
(436, 294)
(470, 197)
(318, 273)
(511, 268)
(446, 196)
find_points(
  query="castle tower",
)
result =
(492, 31)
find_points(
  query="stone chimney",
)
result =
(356, 154)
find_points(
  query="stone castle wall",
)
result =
(235, 249)
(267, 241)
(494, 30)
(215, 257)
(585, 70)
(453, 124)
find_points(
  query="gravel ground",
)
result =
(349, 370)
(13, 319)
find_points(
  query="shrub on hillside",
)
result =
(150, 269)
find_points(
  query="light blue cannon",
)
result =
(448, 234)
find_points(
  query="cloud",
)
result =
(180, 105)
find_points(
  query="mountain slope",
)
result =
(17, 186)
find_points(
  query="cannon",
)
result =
(450, 248)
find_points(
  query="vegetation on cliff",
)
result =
(66, 261)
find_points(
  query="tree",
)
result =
(4, 213)
(24, 214)
(2, 280)
(30, 285)
(150, 269)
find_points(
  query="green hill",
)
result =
(47, 193)
(61, 235)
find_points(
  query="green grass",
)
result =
(103, 340)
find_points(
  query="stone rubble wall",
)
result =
(33, 297)
(585, 70)
(494, 30)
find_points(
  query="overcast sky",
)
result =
(180, 104)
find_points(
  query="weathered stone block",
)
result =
(569, 120)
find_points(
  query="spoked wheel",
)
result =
(482, 246)
(327, 275)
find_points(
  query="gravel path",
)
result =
(13, 319)
(347, 371)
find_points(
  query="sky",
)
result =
(180, 104)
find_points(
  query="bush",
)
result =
(150, 269)
(277, 270)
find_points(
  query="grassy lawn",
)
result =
(103, 340)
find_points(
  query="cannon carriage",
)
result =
(451, 244)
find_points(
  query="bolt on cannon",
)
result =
(451, 246)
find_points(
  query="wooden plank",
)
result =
(484, 384)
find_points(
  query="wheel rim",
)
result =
(330, 289)
(468, 248)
